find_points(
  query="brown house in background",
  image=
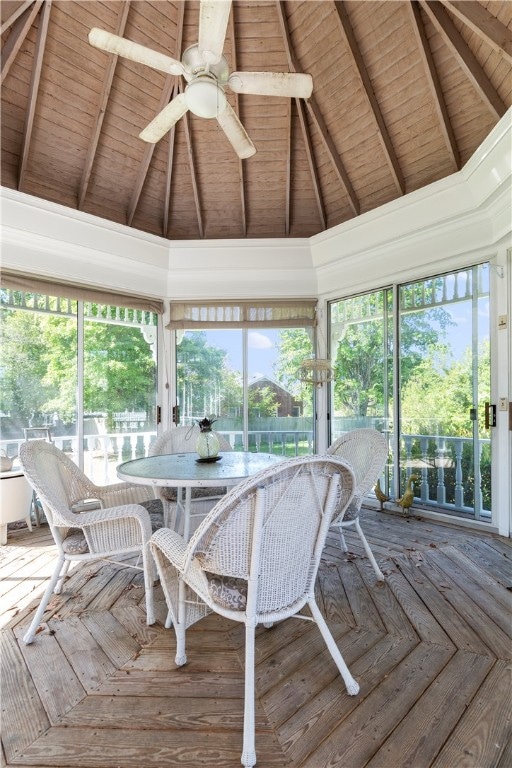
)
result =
(286, 403)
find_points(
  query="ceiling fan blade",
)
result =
(110, 43)
(165, 120)
(296, 85)
(235, 132)
(213, 22)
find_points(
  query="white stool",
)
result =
(15, 501)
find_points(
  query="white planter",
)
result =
(15, 501)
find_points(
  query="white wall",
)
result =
(452, 223)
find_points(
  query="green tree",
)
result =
(262, 400)
(59, 335)
(363, 361)
(201, 376)
(119, 370)
(439, 394)
(294, 347)
(39, 367)
(23, 366)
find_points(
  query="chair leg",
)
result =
(168, 621)
(343, 543)
(180, 626)
(249, 749)
(35, 506)
(170, 512)
(350, 683)
(56, 576)
(369, 553)
(149, 578)
(62, 576)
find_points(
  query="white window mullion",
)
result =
(245, 380)
(80, 384)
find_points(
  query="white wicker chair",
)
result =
(366, 450)
(183, 440)
(120, 526)
(255, 557)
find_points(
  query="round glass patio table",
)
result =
(185, 471)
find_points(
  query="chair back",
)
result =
(38, 433)
(182, 440)
(58, 482)
(270, 530)
(366, 450)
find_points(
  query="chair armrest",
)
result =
(118, 494)
(102, 517)
(172, 545)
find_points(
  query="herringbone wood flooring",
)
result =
(430, 648)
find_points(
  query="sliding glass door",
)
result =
(414, 363)
(444, 354)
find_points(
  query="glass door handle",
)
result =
(490, 415)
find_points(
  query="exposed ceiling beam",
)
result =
(12, 18)
(193, 175)
(172, 132)
(35, 77)
(433, 81)
(17, 37)
(102, 107)
(483, 24)
(149, 148)
(311, 161)
(467, 60)
(316, 115)
(231, 33)
(331, 150)
(384, 137)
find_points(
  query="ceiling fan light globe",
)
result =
(205, 98)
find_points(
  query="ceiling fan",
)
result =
(206, 71)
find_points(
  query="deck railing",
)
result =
(442, 464)
(450, 476)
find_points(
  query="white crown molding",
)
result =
(416, 216)
(184, 247)
(243, 283)
(37, 254)
(67, 226)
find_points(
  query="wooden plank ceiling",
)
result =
(403, 94)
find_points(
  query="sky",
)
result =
(263, 349)
(262, 345)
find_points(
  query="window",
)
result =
(86, 370)
(239, 362)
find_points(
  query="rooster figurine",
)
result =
(407, 499)
(379, 493)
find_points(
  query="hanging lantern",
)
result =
(316, 371)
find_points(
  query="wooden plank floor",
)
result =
(431, 649)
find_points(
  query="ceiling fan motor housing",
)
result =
(204, 97)
(194, 65)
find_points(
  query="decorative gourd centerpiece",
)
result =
(207, 444)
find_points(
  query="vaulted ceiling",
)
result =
(403, 94)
